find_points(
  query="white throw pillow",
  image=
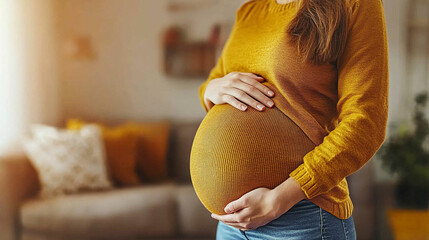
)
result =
(67, 161)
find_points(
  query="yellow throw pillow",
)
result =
(77, 124)
(121, 151)
(152, 148)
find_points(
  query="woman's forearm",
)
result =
(287, 194)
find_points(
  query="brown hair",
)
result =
(320, 29)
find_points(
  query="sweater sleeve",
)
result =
(362, 104)
(216, 72)
(219, 70)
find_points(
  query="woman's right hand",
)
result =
(237, 88)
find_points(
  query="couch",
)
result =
(167, 209)
(164, 210)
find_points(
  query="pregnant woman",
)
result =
(297, 101)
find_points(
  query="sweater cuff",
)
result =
(306, 180)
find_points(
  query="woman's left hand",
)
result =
(261, 205)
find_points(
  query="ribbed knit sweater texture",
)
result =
(341, 108)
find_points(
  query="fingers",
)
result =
(240, 89)
(255, 92)
(227, 218)
(239, 220)
(245, 88)
(237, 92)
(257, 77)
(253, 80)
(234, 102)
(236, 217)
(236, 205)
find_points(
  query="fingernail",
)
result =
(227, 210)
(270, 103)
(243, 107)
(260, 106)
(271, 93)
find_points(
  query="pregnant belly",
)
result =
(234, 152)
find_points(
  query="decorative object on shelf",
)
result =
(79, 48)
(184, 58)
(406, 154)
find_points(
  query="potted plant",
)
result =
(406, 154)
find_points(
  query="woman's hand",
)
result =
(261, 205)
(237, 88)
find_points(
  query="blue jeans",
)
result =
(304, 221)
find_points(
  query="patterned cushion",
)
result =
(121, 153)
(67, 161)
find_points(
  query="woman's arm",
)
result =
(216, 72)
(255, 93)
(362, 104)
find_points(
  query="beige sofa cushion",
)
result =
(147, 210)
(67, 161)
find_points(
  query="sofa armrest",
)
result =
(18, 181)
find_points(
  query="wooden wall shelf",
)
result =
(189, 59)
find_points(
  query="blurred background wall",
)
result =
(127, 69)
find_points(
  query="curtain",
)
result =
(29, 67)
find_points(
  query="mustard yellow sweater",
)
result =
(342, 107)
